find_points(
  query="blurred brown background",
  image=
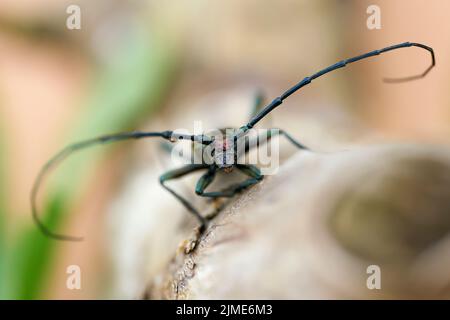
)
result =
(50, 77)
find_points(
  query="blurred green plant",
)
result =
(134, 83)
(3, 278)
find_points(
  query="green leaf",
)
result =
(123, 90)
(4, 285)
(32, 256)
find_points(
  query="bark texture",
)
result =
(313, 229)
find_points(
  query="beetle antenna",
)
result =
(70, 149)
(279, 100)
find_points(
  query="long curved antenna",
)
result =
(279, 100)
(67, 151)
(419, 76)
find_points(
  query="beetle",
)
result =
(223, 150)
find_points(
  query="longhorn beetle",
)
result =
(224, 151)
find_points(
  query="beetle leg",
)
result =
(252, 171)
(177, 173)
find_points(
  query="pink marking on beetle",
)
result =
(224, 154)
(222, 145)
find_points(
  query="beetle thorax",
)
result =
(224, 154)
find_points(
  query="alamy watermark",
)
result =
(226, 148)
(73, 21)
(73, 281)
(374, 280)
(373, 22)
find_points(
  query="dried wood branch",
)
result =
(312, 230)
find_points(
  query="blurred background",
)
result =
(150, 64)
